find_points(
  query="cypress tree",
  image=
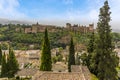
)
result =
(90, 50)
(71, 58)
(0, 54)
(105, 60)
(46, 63)
(3, 67)
(12, 63)
(90, 47)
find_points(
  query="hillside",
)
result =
(58, 38)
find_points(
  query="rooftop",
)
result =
(58, 76)
(78, 73)
(26, 72)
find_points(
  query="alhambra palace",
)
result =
(78, 28)
(36, 28)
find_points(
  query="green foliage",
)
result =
(12, 63)
(77, 59)
(54, 59)
(84, 57)
(93, 77)
(0, 54)
(21, 41)
(57, 58)
(27, 65)
(90, 50)
(91, 47)
(105, 60)
(116, 36)
(46, 63)
(71, 58)
(4, 66)
(60, 57)
(4, 46)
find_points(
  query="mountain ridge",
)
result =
(8, 21)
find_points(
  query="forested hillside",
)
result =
(24, 41)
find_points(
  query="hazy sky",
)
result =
(58, 12)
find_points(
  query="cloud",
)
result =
(79, 16)
(91, 14)
(87, 15)
(114, 8)
(9, 9)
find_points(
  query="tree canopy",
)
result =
(46, 62)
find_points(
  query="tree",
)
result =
(3, 66)
(90, 50)
(105, 60)
(90, 47)
(46, 63)
(71, 58)
(84, 58)
(0, 54)
(12, 63)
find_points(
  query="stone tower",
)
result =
(68, 25)
(91, 27)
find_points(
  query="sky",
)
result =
(59, 12)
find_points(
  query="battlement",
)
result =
(78, 28)
(40, 28)
(36, 28)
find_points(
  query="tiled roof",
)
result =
(78, 73)
(58, 76)
(26, 72)
(59, 67)
(86, 72)
(75, 68)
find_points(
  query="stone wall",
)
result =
(81, 29)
